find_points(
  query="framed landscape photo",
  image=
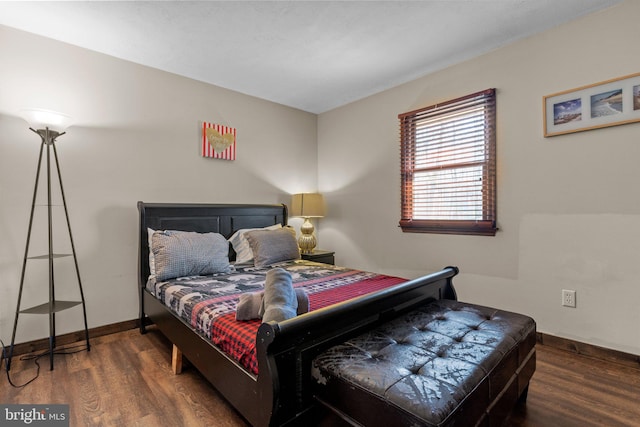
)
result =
(609, 103)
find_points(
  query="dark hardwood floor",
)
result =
(126, 380)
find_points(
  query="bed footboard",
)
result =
(285, 350)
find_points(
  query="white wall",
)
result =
(136, 138)
(568, 206)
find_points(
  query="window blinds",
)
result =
(448, 166)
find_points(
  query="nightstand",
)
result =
(325, 257)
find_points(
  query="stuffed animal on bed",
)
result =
(252, 305)
(249, 304)
(279, 302)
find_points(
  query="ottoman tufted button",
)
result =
(415, 370)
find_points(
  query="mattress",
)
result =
(208, 303)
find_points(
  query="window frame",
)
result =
(486, 226)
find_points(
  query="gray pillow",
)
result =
(185, 253)
(239, 242)
(272, 246)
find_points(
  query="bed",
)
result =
(277, 390)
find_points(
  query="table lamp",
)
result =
(307, 205)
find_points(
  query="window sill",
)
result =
(472, 228)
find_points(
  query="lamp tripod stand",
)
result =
(53, 306)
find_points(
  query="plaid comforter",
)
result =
(208, 303)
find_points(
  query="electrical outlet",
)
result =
(568, 298)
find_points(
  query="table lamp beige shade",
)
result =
(307, 205)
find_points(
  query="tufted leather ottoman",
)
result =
(445, 364)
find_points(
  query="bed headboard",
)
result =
(223, 219)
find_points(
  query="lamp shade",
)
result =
(41, 119)
(307, 205)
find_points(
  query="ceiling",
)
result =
(310, 55)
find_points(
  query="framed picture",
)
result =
(609, 103)
(218, 141)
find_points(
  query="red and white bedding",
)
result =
(208, 303)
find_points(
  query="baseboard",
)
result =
(610, 355)
(73, 337)
(627, 359)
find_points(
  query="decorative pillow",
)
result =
(186, 253)
(244, 255)
(272, 246)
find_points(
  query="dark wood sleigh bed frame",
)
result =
(280, 394)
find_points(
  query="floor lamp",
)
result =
(49, 126)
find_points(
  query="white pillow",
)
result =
(244, 254)
(152, 259)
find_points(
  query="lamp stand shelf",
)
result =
(52, 306)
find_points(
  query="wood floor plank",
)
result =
(571, 390)
(126, 380)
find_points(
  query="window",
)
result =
(448, 167)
